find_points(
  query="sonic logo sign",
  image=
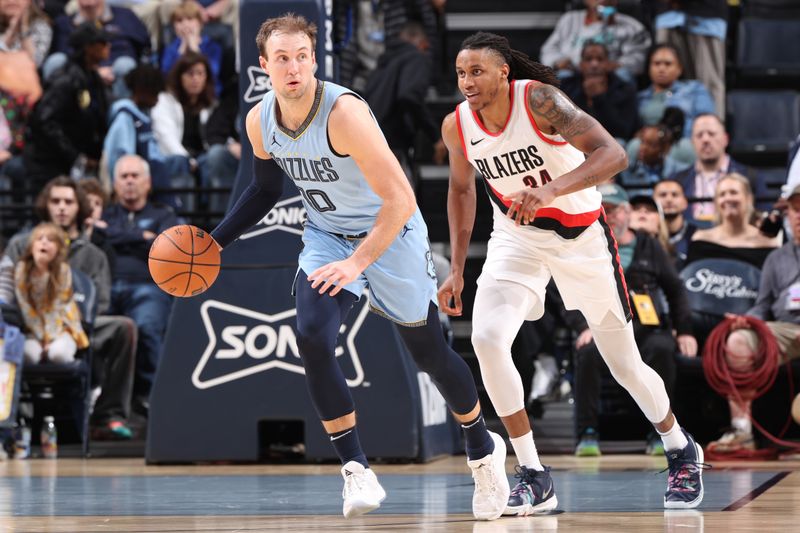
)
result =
(242, 342)
(288, 215)
(259, 85)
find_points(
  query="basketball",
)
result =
(184, 261)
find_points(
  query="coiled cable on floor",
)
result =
(732, 383)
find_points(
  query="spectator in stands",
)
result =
(596, 89)
(68, 124)
(62, 202)
(733, 236)
(697, 29)
(649, 161)
(94, 227)
(649, 275)
(130, 130)
(187, 20)
(43, 286)
(182, 111)
(793, 178)
(669, 195)
(24, 26)
(700, 181)
(133, 223)
(14, 113)
(364, 27)
(646, 216)
(396, 92)
(625, 38)
(129, 40)
(219, 166)
(668, 90)
(778, 304)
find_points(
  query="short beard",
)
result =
(669, 217)
(713, 162)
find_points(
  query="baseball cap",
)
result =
(793, 192)
(644, 199)
(86, 34)
(613, 194)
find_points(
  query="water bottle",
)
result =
(49, 438)
(22, 440)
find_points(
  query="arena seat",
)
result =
(767, 48)
(718, 286)
(782, 9)
(763, 122)
(64, 390)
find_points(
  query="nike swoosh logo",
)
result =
(474, 142)
(547, 492)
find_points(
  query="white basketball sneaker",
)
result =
(362, 493)
(491, 483)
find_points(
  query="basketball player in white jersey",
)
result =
(540, 158)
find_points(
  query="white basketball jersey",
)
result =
(520, 156)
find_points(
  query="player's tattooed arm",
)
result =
(548, 103)
(593, 180)
(554, 113)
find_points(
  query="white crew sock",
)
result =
(526, 453)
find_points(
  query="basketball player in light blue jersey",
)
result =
(364, 230)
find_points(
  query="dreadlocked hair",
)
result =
(520, 65)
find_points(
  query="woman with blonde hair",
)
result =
(646, 215)
(733, 235)
(25, 27)
(43, 287)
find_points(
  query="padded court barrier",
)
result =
(230, 358)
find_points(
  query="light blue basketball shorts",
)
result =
(402, 282)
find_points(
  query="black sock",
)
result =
(479, 442)
(348, 447)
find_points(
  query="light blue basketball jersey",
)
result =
(335, 193)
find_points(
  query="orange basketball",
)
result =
(184, 260)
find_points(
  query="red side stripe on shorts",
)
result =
(566, 225)
(619, 274)
(567, 219)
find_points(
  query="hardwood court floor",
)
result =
(612, 493)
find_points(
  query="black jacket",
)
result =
(616, 110)
(652, 272)
(126, 235)
(396, 94)
(69, 119)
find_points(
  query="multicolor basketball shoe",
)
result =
(685, 480)
(535, 493)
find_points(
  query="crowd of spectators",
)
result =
(100, 97)
(127, 97)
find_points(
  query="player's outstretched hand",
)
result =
(525, 203)
(336, 275)
(450, 291)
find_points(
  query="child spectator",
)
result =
(43, 286)
(648, 160)
(187, 21)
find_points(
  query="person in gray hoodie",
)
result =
(625, 38)
(130, 130)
